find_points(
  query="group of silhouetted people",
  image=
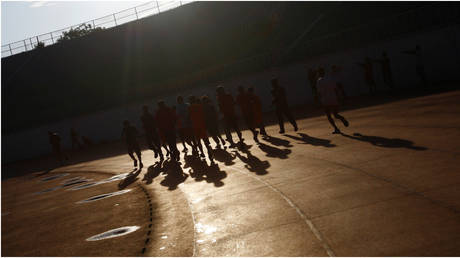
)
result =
(195, 121)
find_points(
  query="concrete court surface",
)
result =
(389, 186)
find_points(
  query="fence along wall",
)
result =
(108, 21)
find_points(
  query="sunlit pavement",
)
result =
(388, 187)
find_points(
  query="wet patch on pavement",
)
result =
(48, 190)
(77, 182)
(113, 233)
(54, 177)
(103, 196)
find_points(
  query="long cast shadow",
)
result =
(274, 151)
(306, 139)
(174, 174)
(223, 156)
(385, 142)
(200, 170)
(153, 171)
(253, 163)
(277, 141)
(129, 179)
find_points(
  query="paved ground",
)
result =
(389, 186)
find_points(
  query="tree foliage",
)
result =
(39, 45)
(80, 31)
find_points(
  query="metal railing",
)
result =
(108, 21)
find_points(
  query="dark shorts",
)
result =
(133, 147)
(331, 108)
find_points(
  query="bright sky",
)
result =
(21, 20)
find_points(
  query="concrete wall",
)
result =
(440, 49)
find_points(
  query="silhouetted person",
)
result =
(281, 105)
(55, 141)
(151, 134)
(199, 126)
(166, 118)
(368, 74)
(328, 92)
(246, 111)
(87, 141)
(227, 108)
(184, 123)
(75, 140)
(129, 134)
(312, 79)
(386, 70)
(419, 67)
(212, 121)
(338, 76)
(256, 107)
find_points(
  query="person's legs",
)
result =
(171, 138)
(234, 124)
(421, 74)
(228, 132)
(290, 118)
(130, 153)
(335, 111)
(209, 149)
(138, 153)
(250, 125)
(279, 114)
(331, 121)
(149, 141)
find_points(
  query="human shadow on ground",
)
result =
(174, 174)
(224, 156)
(129, 179)
(277, 141)
(275, 152)
(200, 170)
(385, 142)
(253, 163)
(306, 139)
(153, 171)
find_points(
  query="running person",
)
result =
(386, 70)
(184, 124)
(130, 134)
(212, 121)
(151, 134)
(313, 79)
(246, 111)
(328, 92)
(227, 108)
(74, 137)
(419, 67)
(281, 104)
(368, 74)
(199, 126)
(256, 107)
(55, 141)
(166, 118)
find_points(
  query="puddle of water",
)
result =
(117, 232)
(200, 228)
(200, 241)
(115, 178)
(73, 179)
(48, 190)
(103, 196)
(78, 187)
(77, 182)
(164, 237)
(162, 248)
(54, 177)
